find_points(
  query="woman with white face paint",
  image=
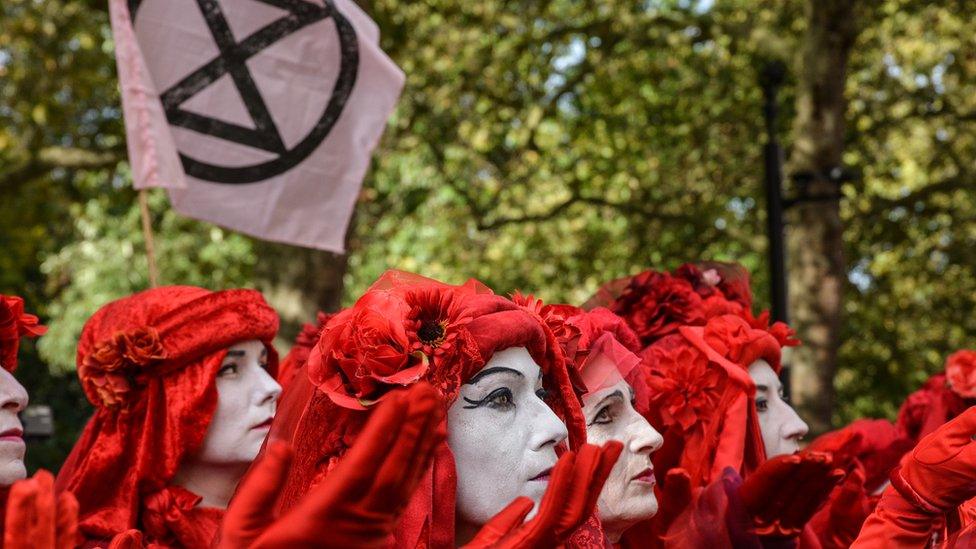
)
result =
(615, 390)
(182, 380)
(509, 403)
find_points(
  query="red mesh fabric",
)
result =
(928, 408)
(296, 358)
(15, 324)
(130, 450)
(390, 338)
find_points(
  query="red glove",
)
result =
(940, 473)
(675, 495)
(784, 492)
(37, 518)
(839, 522)
(896, 522)
(130, 539)
(359, 503)
(574, 487)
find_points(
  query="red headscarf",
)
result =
(15, 324)
(406, 328)
(297, 356)
(703, 400)
(148, 363)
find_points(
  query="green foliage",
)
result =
(542, 146)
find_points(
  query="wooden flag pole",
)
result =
(147, 232)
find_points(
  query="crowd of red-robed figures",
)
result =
(432, 415)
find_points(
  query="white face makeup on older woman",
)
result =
(13, 400)
(503, 436)
(628, 495)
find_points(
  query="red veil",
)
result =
(148, 364)
(404, 329)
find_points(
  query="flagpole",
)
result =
(147, 232)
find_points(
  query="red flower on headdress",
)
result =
(656, 304)
(390, 339)
(116, 368)
(961, 373)
(14, 324)
(728, 280)
(684, 389)
(785, 335)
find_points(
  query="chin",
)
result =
(11, 471)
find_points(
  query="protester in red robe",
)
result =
(406, 329)
(177, 376)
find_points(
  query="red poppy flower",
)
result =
(14, 324)
(684, 390)
(961, 373)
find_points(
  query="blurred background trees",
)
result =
(550, 146)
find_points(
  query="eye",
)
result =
(542, 394)
(603, 417)
(762, 405)
(499, 399)
(228, 370)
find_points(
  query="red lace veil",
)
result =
(403, 329)
(148, 364)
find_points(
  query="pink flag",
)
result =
(258, 115)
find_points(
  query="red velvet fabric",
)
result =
(153, 408)
(15, 324)
(404, 329)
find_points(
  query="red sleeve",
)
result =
(897, 523)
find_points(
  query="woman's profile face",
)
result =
(628, 495)
(246, 399)
(13, 400)
(503, 436)
(781, 427)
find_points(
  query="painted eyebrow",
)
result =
(615, 394)
(236, 353)
(762, 387)
(491, 371)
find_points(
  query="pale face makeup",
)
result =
(246, 399)
(503, 436)
(781, 427)
(628, 495)
(13, 400)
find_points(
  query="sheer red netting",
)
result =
(148, 364)
(408, 328)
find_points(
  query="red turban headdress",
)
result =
(404, 329)
(148, 363)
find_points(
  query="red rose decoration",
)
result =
(14, 324)
(656, 304)
(390, 339)
(683, 388)
(961, 373)
(116, 368)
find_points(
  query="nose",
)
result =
(13, 396)
(547, 429)
(644, 439)
(794, 428)
(268, 388)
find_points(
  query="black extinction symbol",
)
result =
(232, 60)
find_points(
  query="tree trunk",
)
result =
(815, 237)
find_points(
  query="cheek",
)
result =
(11, 463)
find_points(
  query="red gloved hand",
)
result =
(130, 539)
(940, 473)
(784, 492)
(838, 523)
(676, 495)
(359, 503)
(37, 518)
(573, 490)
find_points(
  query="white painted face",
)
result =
(13, 400)
(503, 437)
(246, 400)
(628, 496)
(781, 427)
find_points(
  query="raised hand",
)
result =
(784, 492)
(570, 498)
(359, 502)
(37, 518)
